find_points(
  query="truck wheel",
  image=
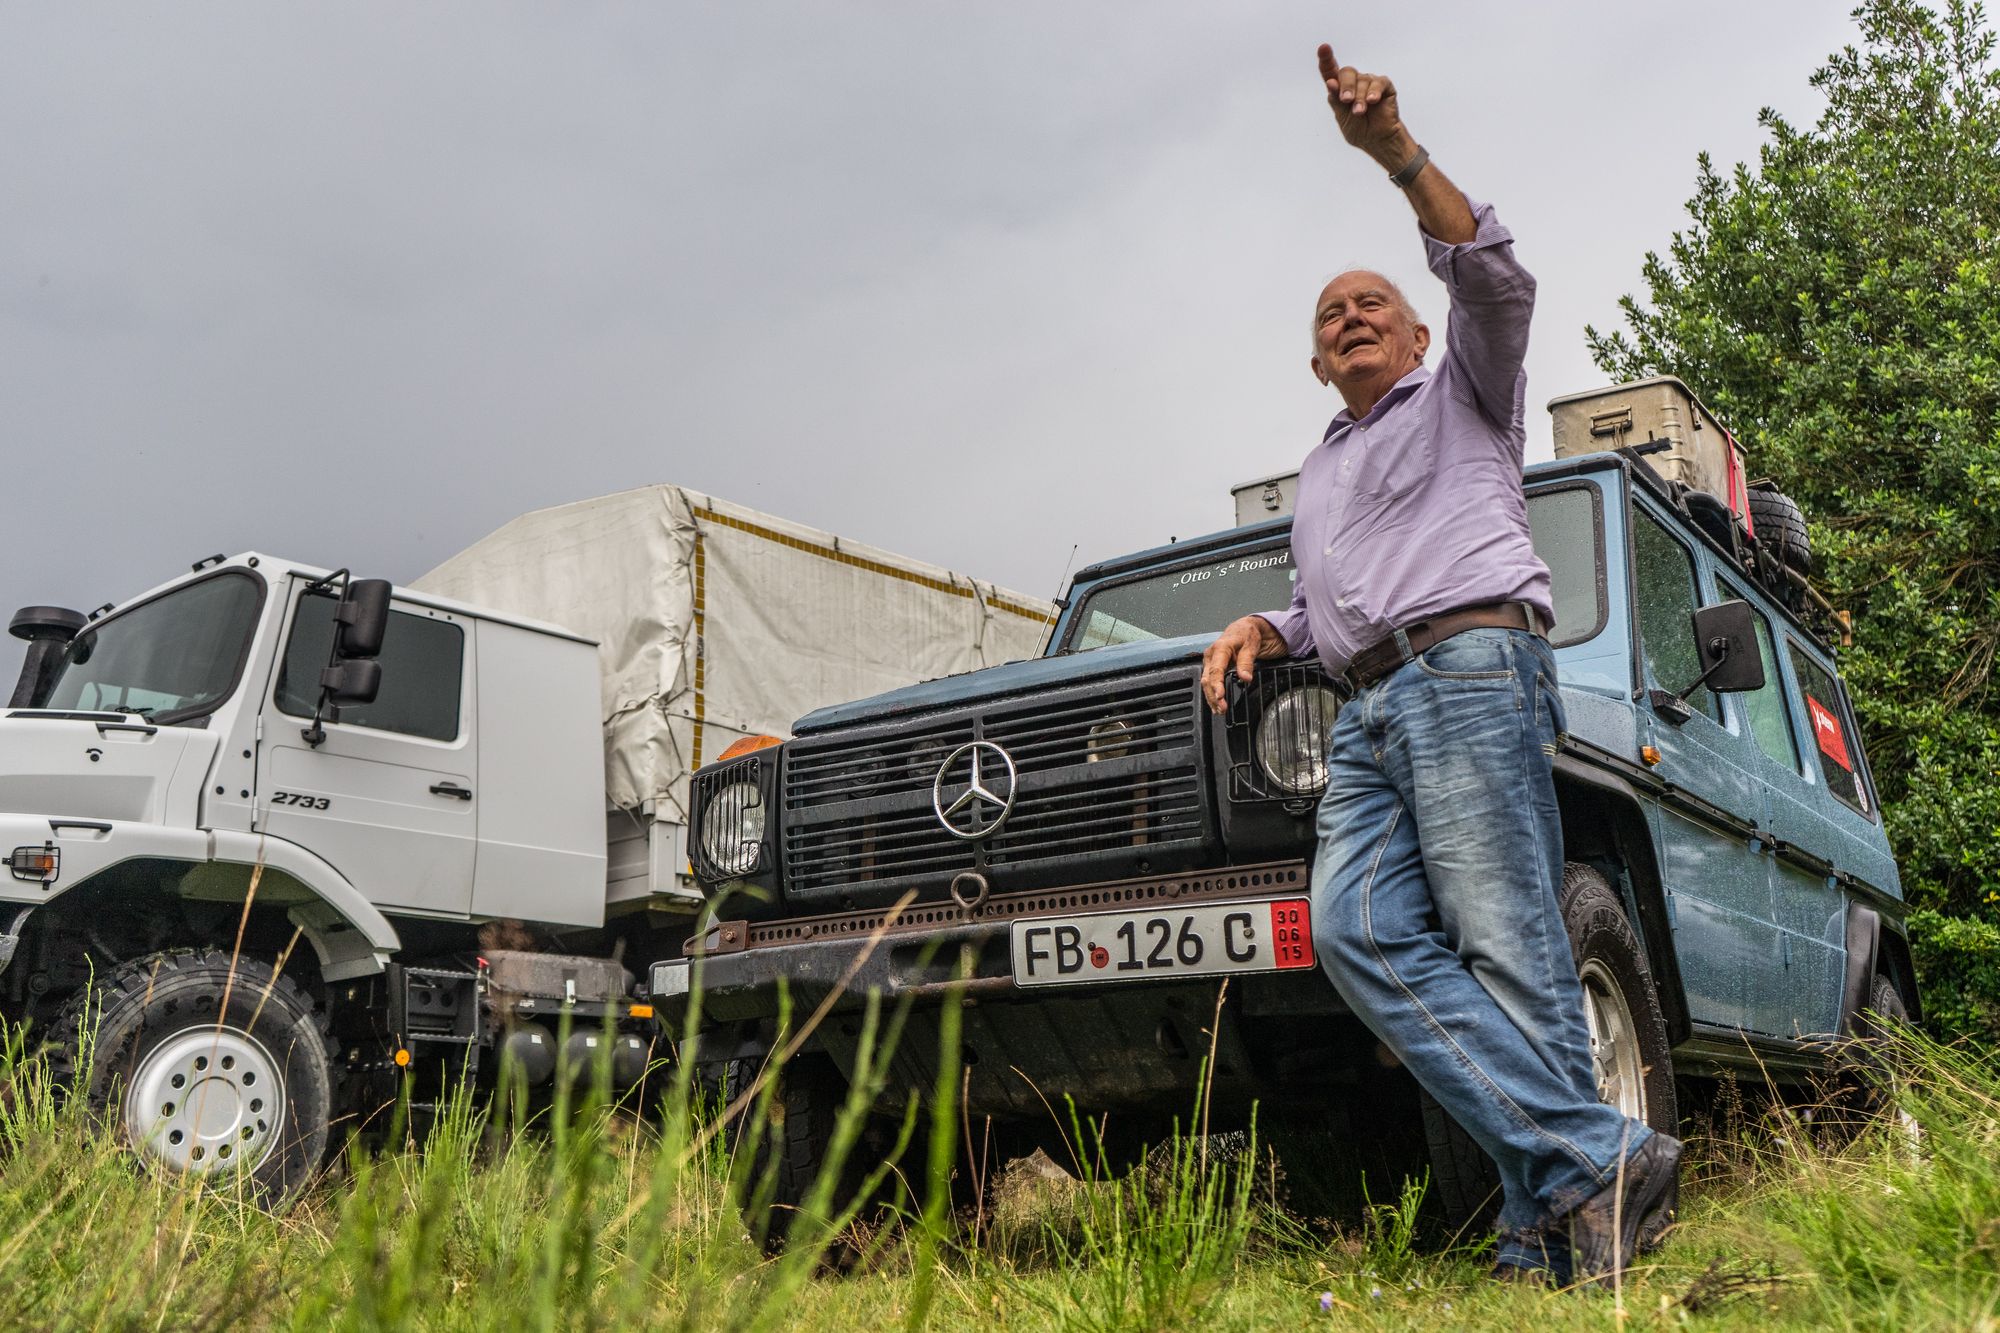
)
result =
(1630, 1057)
(203, 1068)
(795, 1144)
(1339, 1158)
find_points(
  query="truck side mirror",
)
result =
(363, 618)
(360, 623)
(352, 682)
(1726, 636)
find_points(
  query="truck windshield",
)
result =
(171, 658)
(1194, 598)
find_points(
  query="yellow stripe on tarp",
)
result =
(859, 562)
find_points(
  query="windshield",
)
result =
(1202, 597)
(1196, 598)
(166, 659)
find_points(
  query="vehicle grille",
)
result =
(1110, 776)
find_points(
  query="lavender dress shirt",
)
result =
(1417, 509)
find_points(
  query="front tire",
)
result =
(1631, 1058)
(203, 1067)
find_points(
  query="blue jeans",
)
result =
(1435, 910)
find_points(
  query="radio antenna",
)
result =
(1061, 605)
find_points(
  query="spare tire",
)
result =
(1780, 527)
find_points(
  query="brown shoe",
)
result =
(1605, 1230)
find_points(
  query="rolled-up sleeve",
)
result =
(1492, 302)
(1292, 625)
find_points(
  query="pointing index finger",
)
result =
(1328, 66)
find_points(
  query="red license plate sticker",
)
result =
(1291, 934)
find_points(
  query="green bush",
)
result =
(1838, 304)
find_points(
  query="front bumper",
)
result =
(1138, 1045)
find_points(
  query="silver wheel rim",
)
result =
(1615, 1062)
(205, 1100)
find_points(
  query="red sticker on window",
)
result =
(1826, 730)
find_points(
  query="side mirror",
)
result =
(360, 623)
(363, 618)
(1726, 636)
(352, 682)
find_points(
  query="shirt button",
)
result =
(1344, 462)
(1340, 602)
(1328, 551)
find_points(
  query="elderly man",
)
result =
(1440, 854)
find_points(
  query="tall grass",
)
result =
(588, 1216)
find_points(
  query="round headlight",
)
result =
(732, 829)
(1291, 739)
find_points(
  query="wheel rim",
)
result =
(1615, 1061)
(205, 1100)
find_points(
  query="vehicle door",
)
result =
(1831, 828)
(387, 798)
(1718, 889)
(1806, 904)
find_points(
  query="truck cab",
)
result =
(268, 779)
(1130, 874)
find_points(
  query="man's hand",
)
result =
(1365, 106)
(1242, 645)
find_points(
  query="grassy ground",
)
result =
(595, 1219)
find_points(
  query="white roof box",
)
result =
(1700, 452)
(1265, 498)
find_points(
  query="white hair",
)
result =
(1402, 300)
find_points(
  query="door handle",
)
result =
(452, 789)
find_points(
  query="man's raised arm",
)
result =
(1365, 106)
(1492, 296)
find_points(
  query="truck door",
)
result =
(1806, 907)
(1718, 888)
(388, 797)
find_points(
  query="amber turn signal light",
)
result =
(41, 864)
(1650, 754)
(748, 745)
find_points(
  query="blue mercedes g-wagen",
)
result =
(1130, 872)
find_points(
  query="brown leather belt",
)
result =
(1378, 660)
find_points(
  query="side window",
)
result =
(1666, 595)
(423, 661)
(1833, 733)
(1568, 532)
(1769, 716)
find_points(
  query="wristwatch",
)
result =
(1403, 175)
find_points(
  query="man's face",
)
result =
(1363, 332)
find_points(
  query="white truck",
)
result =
(273, 832)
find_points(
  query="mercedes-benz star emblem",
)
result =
(988, 798)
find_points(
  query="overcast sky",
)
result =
(357, 283)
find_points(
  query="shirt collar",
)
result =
(1398, 391)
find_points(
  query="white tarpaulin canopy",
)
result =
(715, 622)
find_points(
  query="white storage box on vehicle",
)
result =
(1704, 455)
(715, 622)
(1266, 498)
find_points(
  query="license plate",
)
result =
(1200, 941)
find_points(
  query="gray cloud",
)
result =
(359, 283)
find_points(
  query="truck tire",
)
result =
(1781, 527)
(1781, 536)
(1630, 1052)
(1338, 1159)
(795, 1144)
(203, 1067)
